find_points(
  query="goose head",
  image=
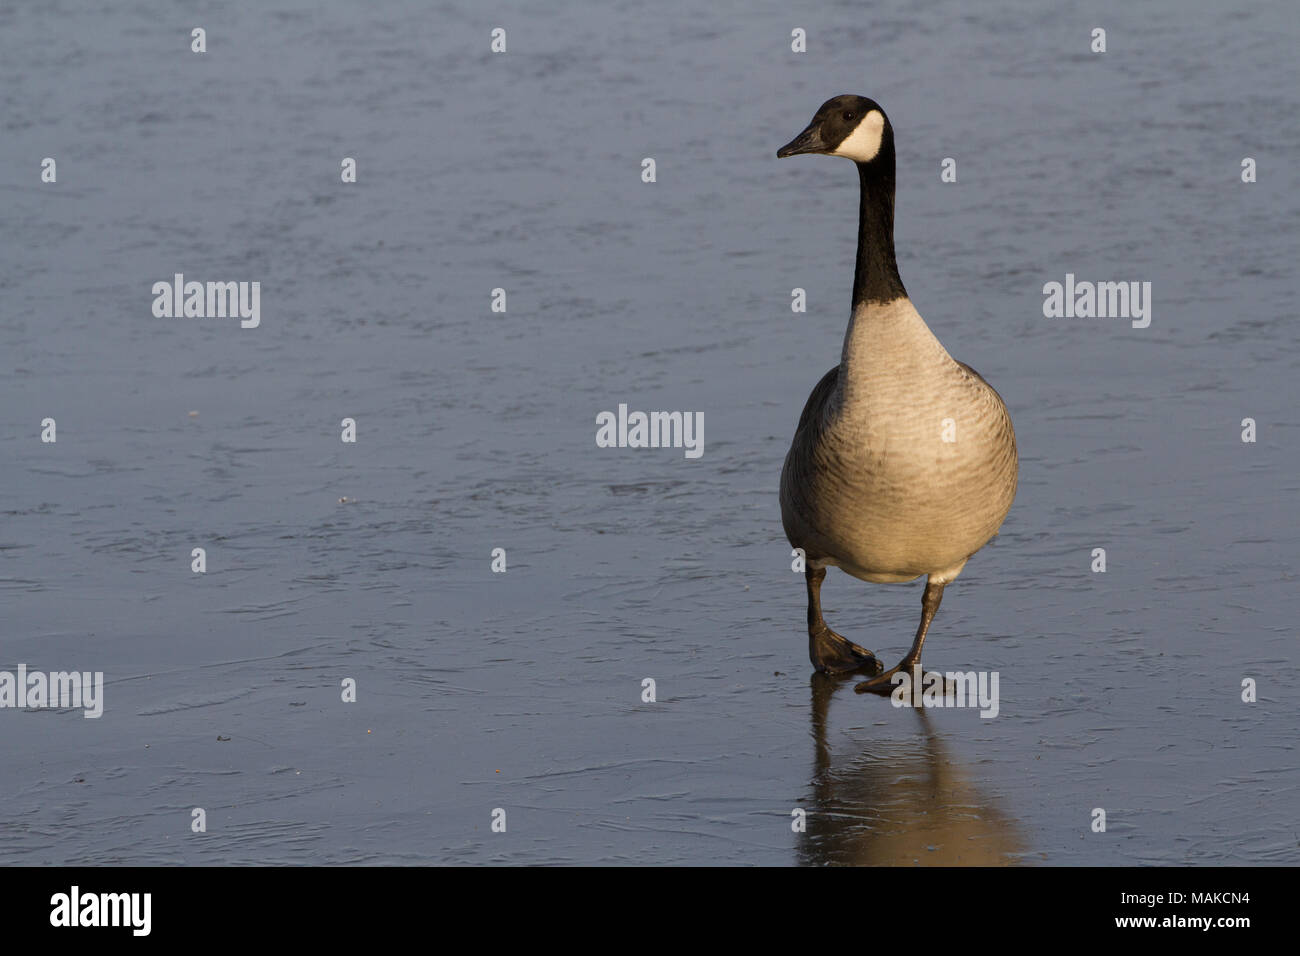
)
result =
(854, 127)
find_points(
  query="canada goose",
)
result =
(904, 460)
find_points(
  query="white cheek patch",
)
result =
(863, 143)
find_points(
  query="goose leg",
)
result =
(829, 652)
(912, 661)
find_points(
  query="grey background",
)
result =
(477, 431)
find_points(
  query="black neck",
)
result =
(876, 278)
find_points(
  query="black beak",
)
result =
(809, 141)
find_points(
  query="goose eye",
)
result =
(848, 114)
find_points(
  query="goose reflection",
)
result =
(906, 803)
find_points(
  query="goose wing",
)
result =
(821, 394)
